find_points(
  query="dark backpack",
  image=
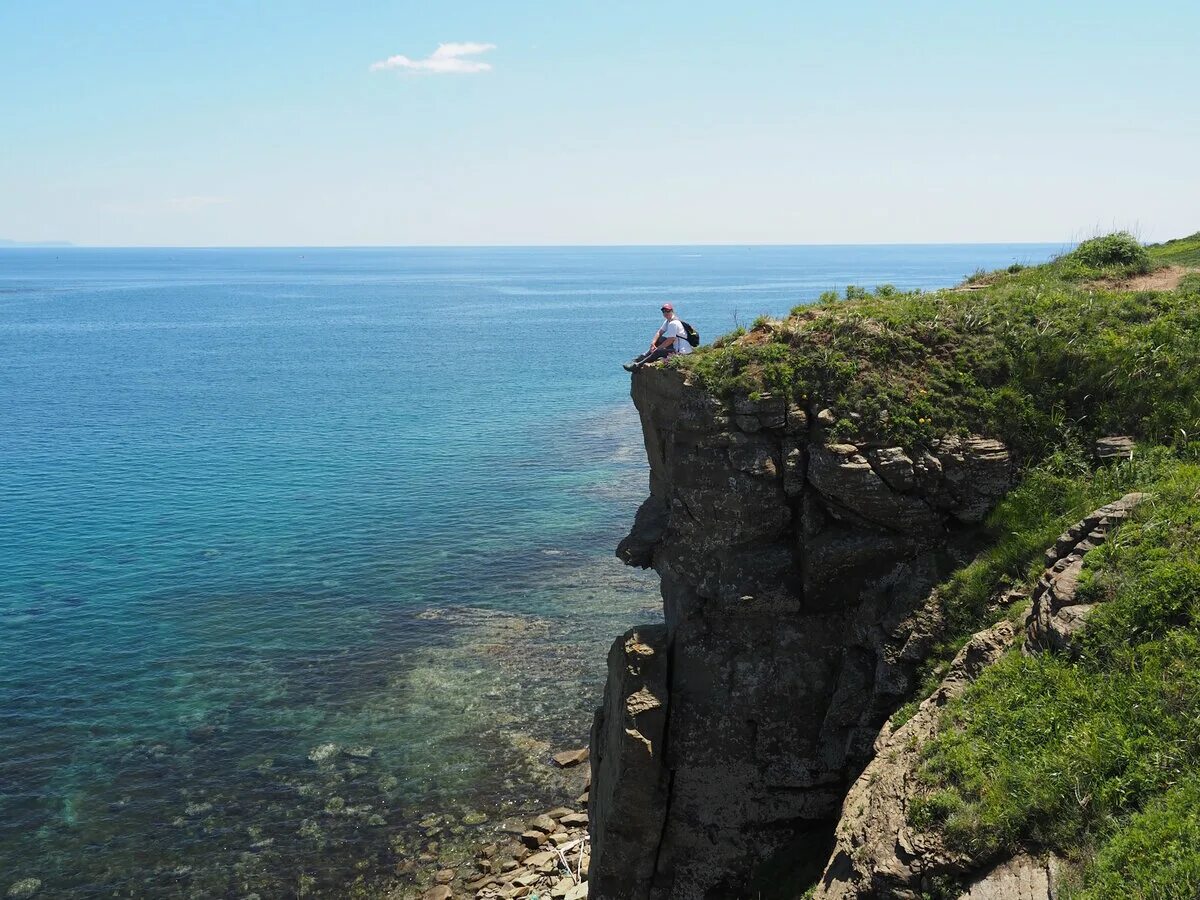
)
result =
(693, 336)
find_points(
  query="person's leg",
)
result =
(638, 361)
(661, 353)
(650, 356)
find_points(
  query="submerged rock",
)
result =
(323, 753)
(26, 887)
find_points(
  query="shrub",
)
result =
(1116, 254)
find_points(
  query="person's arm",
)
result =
(658, 335)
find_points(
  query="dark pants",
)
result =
(653, 355)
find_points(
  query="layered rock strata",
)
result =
(795, 574)
(1058, 613)
(877, 851)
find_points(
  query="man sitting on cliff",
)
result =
(671, 338)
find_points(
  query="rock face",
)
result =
(795, 574)
(877, 853)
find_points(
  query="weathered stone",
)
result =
(574, 820)
(533, 839)
(796, 422)
(438, 892)
(559, 811)
(1056, 616)
(648, 526)
(1114, 448)
(629, 792)
(579, 892)
(537, 860)
(847, 480)
(443, 876)
(544, 824)
(569, 758)
(977, 472)
(894, 467)
(1023, 877)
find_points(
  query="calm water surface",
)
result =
(298, 546)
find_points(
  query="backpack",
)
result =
(692, 335)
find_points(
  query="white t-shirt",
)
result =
(673, 328)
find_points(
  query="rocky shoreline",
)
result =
(541, 856)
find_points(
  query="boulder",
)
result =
(569, 758)
(543, 824)
(1114, 448)
(1023, 877)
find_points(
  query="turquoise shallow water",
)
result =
(254, 503)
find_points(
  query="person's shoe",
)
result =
(629, 367)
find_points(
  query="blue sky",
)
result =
(182, 123)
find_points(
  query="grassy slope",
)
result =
(1179, 252)
(1032, 356)
(1098, 759)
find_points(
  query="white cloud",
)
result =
(447, 58)
(193, 203)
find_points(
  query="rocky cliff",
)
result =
(796, 572)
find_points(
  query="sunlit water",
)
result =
(298, 546)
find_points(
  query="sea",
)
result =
(306, 555)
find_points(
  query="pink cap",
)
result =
(668, 307)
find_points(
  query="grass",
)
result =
(1183, 251)
(1097, 759)
(1033, 356)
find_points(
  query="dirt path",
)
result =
(1166, 279)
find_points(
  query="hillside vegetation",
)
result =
(1034, 356)
(1179, 252)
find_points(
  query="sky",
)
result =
(307, 123)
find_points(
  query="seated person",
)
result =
(671, 338)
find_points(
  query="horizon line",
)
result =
(33, 245)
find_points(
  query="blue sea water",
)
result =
(298, 546)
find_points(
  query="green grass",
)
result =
(1097, 759)
(1179, 252)
(1033, 356)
